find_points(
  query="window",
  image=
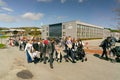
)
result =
(64, 33)
(47, 33)
(47, 29)
(55, 30)
(63, 26)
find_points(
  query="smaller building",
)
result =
(9, 32)
(106, 33)
(116, 35)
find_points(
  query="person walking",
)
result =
(46, 50)
(28, 50)
(52, 47)
(42, 49)
(35, 51)
(105, 46)
(58, 49)
(69, 50)
(80, 51)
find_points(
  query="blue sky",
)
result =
(20, 13)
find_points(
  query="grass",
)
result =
(3, 36)
(90, 38)
(2, 46)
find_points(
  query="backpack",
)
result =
(101, 44)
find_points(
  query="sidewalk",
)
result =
(14, 61)
(93, 46)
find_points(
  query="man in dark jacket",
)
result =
(36, 50)
(35, 46)
(51, 52)
(105, 46)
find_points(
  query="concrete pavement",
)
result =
(13, 61)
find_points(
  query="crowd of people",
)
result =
(57, 49)
(51, 49)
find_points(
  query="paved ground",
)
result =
(13, 63)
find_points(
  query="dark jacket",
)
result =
(42, 47)
(36, 46)
(105, 44)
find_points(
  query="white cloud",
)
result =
(7, 18)
(7, 9)
(4, 6)
(118, 1)
(25, 17)
(2, 3)
(62, 1)
(32, 16)
(80, 1)
(61, 17)
(44, 0)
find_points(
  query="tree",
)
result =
(35, 32)
(15, 32)
(27, 30)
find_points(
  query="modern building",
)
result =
(75, 29)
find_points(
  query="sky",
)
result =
(25, 13)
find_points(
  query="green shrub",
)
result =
(90, 38)
(3, 36)
(2, 46)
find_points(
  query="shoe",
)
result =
(60, 61)
(73, 62)
(107, 59)
(51, 66)
(44, 62)
(57, 60)
(101, 57)
(85, 59)
(66, 61)
(41, 60)
(82, 60)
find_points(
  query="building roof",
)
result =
(83, 23)
(89, 24)
(14, 30)
(78, 22)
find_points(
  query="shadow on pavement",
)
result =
(96, 55)
(109, 59)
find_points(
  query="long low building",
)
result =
(75, 29)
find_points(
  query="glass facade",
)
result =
(55, 30)
(84, 31)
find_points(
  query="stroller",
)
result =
(116, 53)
